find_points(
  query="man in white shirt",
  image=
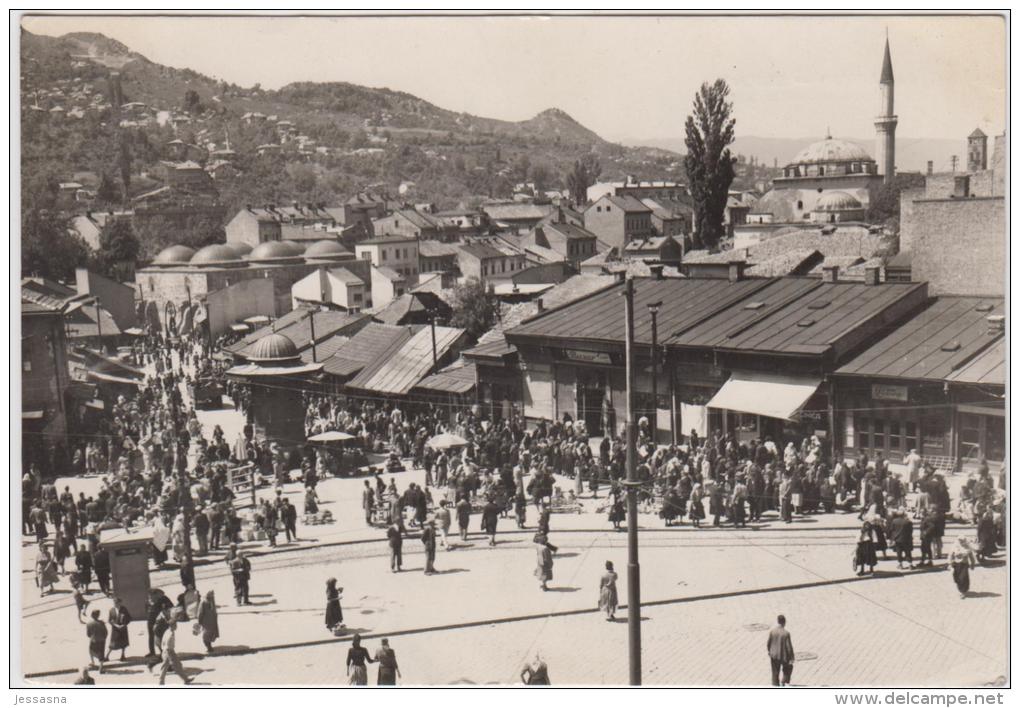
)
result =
(170, 659)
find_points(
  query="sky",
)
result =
(627, 78)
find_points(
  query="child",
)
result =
(79, 597)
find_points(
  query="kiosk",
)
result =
(129, 566)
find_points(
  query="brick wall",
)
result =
(957, 245)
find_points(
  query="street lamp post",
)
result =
(653, 310)
(632, 483)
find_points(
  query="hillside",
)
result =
(340, 138)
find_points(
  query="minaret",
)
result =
(885, 123)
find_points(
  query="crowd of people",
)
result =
(157, 468)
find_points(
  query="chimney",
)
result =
(539, 305)
(830, 274)
(737, 270)
(961, 187)
(621, 276)
(996, 324)
(323, 285)
(248, 207)
(656, 271)
(931, 168)
(872, 275)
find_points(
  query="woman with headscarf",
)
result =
(334, 613)
(961, 560)
(357, 655)
(544, 565)
(864, 554)
(119, 619)
(987, 533)
(208, 620)
(608, 598)
(45, 570)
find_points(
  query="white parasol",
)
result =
(444, 441)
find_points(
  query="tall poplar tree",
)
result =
(708, 161)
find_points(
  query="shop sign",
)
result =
(586, 357)
(884, 392)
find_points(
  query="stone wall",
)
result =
(957, 245)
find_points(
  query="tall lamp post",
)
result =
(632, 484)
(653, 310)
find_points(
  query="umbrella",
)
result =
(240, 327)
(445, 441)
(134, 331)
(331, 436)
(258, 319)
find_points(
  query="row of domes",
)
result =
(238, 254)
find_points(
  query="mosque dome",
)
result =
(273, 348)
(326, 249)
(215, 254)
(831, 150)
(837, 201)
(272, 250)
(241, 248)
(173, 255)
(296, 247)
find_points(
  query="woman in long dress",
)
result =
(608, 599)
(45, 570)
(119, 619)
(864, 554)
(311, 501)
(334, 613)
(544, 566)
(961, 560)
(209, 621)
(357, 655)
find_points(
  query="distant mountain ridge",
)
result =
(912, 154)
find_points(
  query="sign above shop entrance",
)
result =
(585, 356)
(885, 392)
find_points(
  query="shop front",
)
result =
(756, 406)
(892, 418)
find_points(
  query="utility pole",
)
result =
(653, 310)
(432, 323)
(633, 567)
(99, 326)
(311, 324)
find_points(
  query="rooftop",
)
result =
(367, 346)
(935, 344)
(400, 368)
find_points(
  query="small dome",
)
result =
(326, 249)
(174, 254)
(296, 247)
(837, 201)
(241, 248)
(831, 150)
(215, 254)
(272, 250)
(273, 347)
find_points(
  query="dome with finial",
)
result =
(831, 150)
(274, 349)
(216, 254)
(837, 201)
(326, 249)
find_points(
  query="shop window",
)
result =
(910, 433)
(863, 433)
(933, 435)
(878, 435)
(894, 436)
(995, 436)
(970, 435)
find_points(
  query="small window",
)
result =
(878, 437)
(800, 204)
(863, 432)
(598, 209)
(910, 436)
(607, 209)
(894, 435)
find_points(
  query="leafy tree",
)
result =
(475, 309)
(192, 102)
(708, 162)
(541, 175)
(107, 191)
(884, 207)
(48, 249)
(584, 174)
(119, 249)
(124, 165)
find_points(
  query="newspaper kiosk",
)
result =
(129, 565)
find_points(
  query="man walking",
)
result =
(396, 542)
(170, 658)
(463, 517)
(367, 502)
(240, 569)
(201, 523)
(288, 513)
(428, 539)
(443, 520)
(780, 648)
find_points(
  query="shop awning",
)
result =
(32, 415)
(771, 395)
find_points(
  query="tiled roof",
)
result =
(932, 345)
(795, 262)
(402, 367)
(626, 202)
(517, 212)
(435, 249)
(481, 251)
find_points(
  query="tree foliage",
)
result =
(884, 207)
(583, 175)
(475, 309)
(119, 249)
(709, 130)
(48, 249)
